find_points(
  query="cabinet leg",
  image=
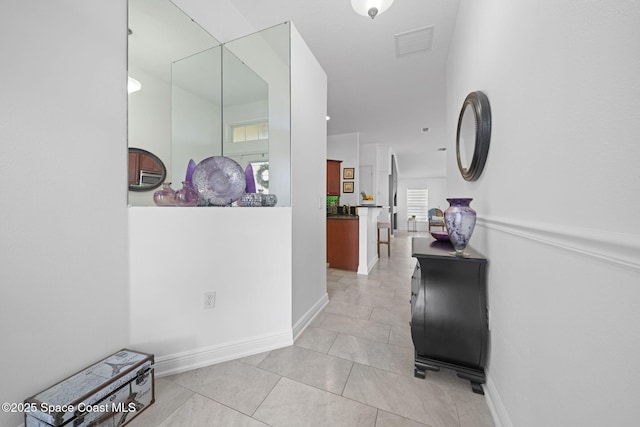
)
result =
(421, 367)
(477, 388)
(476, 380)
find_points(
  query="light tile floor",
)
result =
(353, 366)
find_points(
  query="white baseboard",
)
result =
(370, 266)
(308, 317)
(498, 411)
(198, 358)
(181, 362)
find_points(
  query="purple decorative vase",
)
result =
(188, 177)
(187, 196)
(165, 196)
(460, 220)
(251, 182)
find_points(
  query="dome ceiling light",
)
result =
(133, 85)
(370, 8)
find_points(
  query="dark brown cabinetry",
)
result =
(134, 168)
(143, 162)
(449, 324)
(333, 177)
(342, 243)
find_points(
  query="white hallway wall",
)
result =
(346, 147)
(63, 237)
(557, 204)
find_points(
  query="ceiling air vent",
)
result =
(413, 41)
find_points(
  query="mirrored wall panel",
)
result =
(196, 110)
(159, 35)
(193, 98)
(246, 118)
(256, 113)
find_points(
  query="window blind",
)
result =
(417, 202)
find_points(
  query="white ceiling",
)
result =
(387, 99)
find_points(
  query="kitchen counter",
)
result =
(342, 216)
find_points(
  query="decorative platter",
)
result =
(219, 180)
(441, 236)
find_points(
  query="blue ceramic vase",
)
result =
(460, 220)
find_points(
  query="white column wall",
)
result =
(368, 239)
(308, 183)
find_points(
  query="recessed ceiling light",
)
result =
(328, 118)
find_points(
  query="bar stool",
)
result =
(384, 225)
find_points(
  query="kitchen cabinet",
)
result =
(333, 177)
(141, 161)
(449, 325)
(342, 242)
(134, 168)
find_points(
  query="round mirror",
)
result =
(467, 137)
(146, 170)
(474, 134)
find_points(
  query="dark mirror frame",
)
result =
(156, 159)
(479, 104)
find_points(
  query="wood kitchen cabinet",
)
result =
(149, 164)
(333, 177)
(449, 325)
(134, 168)
(342, 243)
(141, 162)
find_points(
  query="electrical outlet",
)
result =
(209, 299)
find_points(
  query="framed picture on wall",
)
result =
(348, 173)
(347, 187)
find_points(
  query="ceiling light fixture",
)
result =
(370, 8)
(133, 85)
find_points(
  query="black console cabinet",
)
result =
(449, 311)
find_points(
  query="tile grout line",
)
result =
(265, 397)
